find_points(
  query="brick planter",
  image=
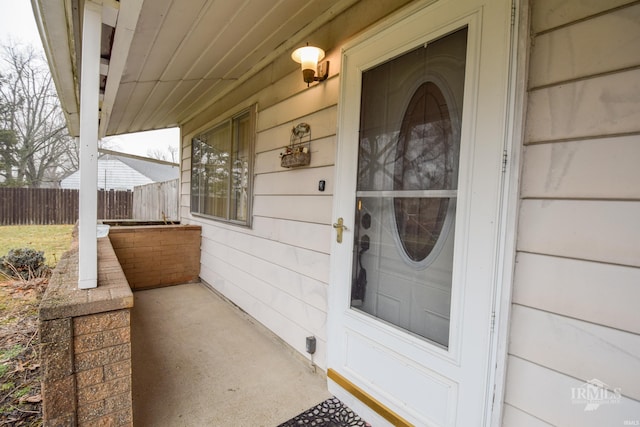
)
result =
(86, 345)
(157, 255)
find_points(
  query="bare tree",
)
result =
(35, 147)
(171, 155)
(173, 152)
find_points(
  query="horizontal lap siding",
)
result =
(185, 179)
(601, 293)
(294, 216)
(575, 169)
(547, 397)
(582, 51)
(278, 269)
(604, 231)
(599, 106)
(579, 349)
(517, 418)
(577, 276)
(549, 14)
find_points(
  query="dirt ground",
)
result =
(20, 399)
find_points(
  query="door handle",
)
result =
(340, 227)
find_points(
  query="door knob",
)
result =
(340, 227)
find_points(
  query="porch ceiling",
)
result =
(170, 59)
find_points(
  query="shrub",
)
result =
(23, 263)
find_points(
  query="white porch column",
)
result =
(89, 116)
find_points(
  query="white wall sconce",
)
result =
(308, 57)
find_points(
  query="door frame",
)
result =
(507, 238)
(509, 196)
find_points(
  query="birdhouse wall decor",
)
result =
(298, 152)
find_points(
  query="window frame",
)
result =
(232, 132)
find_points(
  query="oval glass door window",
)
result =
(405, 206)
(426, 159)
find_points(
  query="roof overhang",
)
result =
(165, 61)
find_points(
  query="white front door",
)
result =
(423, 113)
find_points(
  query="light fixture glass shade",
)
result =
(308, 57)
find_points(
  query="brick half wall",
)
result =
(157, 255)
(85, 345)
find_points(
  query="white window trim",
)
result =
(252, 111)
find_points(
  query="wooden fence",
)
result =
(57, 206)
(156, 201)
(115, 204)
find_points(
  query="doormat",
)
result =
(330, 413)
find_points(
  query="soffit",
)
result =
(184, 53)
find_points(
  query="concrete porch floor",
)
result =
(199, 361)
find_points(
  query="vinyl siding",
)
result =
(112, 175)
(545, 395)
(278, 269)
(577, 277)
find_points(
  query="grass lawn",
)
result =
(54, 240)
(20, 373)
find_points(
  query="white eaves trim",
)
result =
(55, 22)
(125, 29)
(53, 19)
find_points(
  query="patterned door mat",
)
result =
(330, 413)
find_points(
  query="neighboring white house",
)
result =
(465, 242)
(119, 171)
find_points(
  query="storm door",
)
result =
(405, 204)
(416, 215)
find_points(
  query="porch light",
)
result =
(308, 57)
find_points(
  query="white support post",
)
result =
(89, 118)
